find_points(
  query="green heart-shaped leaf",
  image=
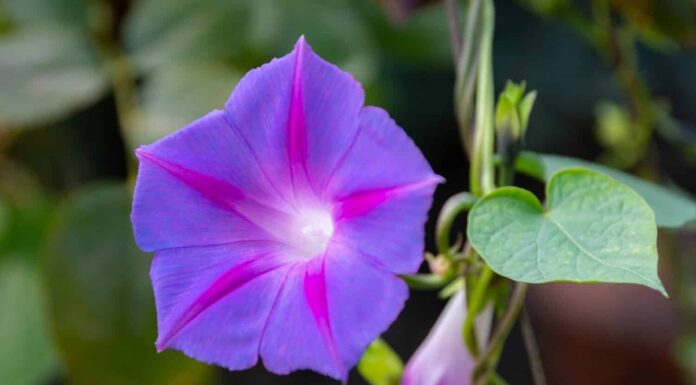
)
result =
(595, 229)
(672, 208)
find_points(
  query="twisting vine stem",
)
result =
(482, 171)
(475, 79)
(466, 68)
(455, 35)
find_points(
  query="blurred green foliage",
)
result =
(102, 313)
(26, 355)
(56, 76)
(177, 94)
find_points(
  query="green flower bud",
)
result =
(513, 110)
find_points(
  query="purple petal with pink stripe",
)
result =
(280, 223)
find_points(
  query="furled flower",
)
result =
(443, 359)
(280, 222)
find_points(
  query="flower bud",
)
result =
(513, 110)
(443, 359)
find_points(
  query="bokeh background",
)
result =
(84, 82)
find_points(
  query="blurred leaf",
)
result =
(544, 7)
(179, 94)
(672, 209)
(26, 355)
(41, 11)
(423, 39)
(25, 211)
(161, 32)
(46, 72)
(420, 40)
(614, 126)
(334, 29)
(617, 132)
(4, 218)
(100, 298)
(686, 355)
(593, 229)
(380, 365)
(247, 32)
(660, 21)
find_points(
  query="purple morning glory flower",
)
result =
(443, 359)
(279, 223)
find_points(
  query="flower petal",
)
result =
(212, 147)
(187, 194)
(382, 156)
(299, 334)
(443, 359)
(213, 302)
(363, 301)
(299, 113)
(387, 231)
(383, 189)
(318, 324)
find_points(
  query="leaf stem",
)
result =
(426, 281)
(476, 302)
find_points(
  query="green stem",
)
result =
(454, 206)
(488, 360)
(489, 375)
(482, 172)
(426, 281)
(532, 348)
(467, 65)
(476, 302)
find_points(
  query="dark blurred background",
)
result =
(84, 82)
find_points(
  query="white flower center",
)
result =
(316, 228)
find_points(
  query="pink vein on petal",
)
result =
(219, 192)
(315, 294)
(226, 284)
(297, 135)
(362, 202)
